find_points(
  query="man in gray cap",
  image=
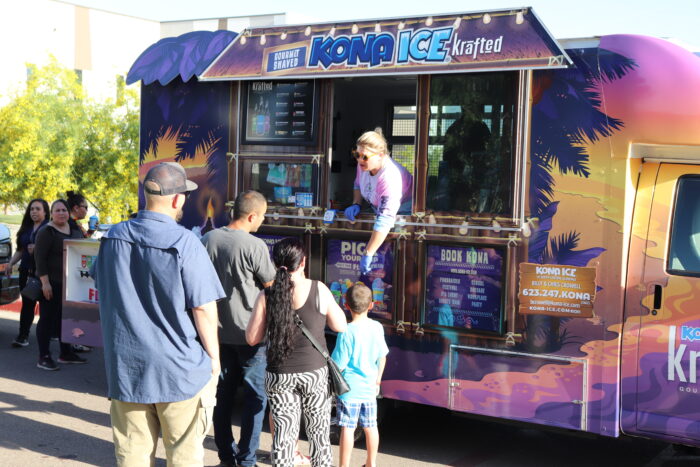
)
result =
(151, 273)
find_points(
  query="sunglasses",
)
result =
(363, 157)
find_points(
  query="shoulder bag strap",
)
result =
(306, 331)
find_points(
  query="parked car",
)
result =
(10, 285)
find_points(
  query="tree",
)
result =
(54, 139)
(106, 164)
(39, 135)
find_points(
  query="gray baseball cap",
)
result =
(170, 178)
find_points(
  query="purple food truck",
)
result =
(541, 273)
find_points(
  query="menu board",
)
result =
(279, 112)
(464, 287)
(343, 270)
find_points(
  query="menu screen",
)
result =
(342, 271)
(279, 112)
(464, 287)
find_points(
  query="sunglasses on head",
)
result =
(363, 157)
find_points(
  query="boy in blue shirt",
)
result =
(360, 352)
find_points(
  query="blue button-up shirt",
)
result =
(149, 271)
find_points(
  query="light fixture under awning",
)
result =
(479, 41)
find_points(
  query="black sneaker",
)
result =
(47, 363)
(20, 341)
(71, 358)
(81, 348)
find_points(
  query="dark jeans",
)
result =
(240, 364)
(26, 315)
(50, 314)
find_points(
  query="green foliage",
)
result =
(54, 139)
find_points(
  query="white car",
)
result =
(10, 285)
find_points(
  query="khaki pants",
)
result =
(184, 424)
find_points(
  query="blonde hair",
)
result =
(374, 140)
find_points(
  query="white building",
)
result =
(101, 46)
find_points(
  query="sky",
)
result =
(677, 19)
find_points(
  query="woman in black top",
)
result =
(35, 216)
(296, 381)
(48, 255)
(78, 208)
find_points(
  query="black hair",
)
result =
(287, 255)
(74, 199)
(247, 203)
(27, 222)
(59, 200)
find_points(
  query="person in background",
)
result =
(78, 206)
(360, 352)
(296, 380)
(243, 264)
(35, 216)
(385, 184)
(48, 256)
(157, 292)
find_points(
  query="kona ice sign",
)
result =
(512, 39)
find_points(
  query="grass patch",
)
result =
(11, 218)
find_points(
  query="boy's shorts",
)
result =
(349, 413)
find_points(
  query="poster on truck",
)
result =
(81, 315)
(464, 287)
(342, 271)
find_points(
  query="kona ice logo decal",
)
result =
(371, 50)
(683, 363)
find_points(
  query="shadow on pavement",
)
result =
(51, 441)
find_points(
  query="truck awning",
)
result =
(184, 56)
(451, 43)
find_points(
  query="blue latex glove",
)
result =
(351, 211)
(365, 263)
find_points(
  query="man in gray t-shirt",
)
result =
(243, 264)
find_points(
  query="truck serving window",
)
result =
(684, 247)
(283, 183)
(471, 141)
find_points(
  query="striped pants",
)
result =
(290, 395)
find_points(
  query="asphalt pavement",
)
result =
(61, 418)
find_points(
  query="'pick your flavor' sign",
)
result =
(342, 271)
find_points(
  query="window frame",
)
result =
(674, 205)
(515, 214)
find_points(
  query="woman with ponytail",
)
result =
(296, 380)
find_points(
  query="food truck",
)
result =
(548, 268)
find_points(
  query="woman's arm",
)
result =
(42, 248)
(255, 332)
(356, 196)
(335, 318)
(375, 241)
(15, 258)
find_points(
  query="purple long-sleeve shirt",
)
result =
(391, 186)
